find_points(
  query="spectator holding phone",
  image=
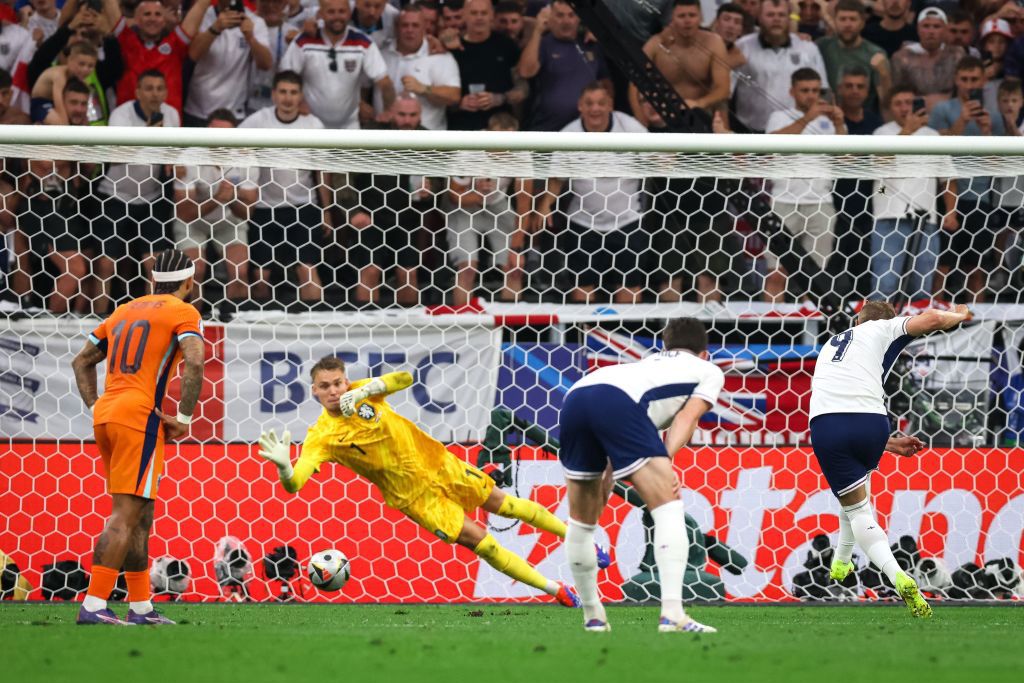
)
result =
(906, 224)
(968, 242)
(805, 206)
(996, 36)
(230, 42)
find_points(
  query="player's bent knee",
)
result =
(471, 535)
(494, 500)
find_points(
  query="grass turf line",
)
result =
(455, 643)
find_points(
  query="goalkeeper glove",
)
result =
(277, 451)
(350, 399)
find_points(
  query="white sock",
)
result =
(871, 538)
(670, 550)
(579, 547)
(93, 604)
(144, 607)
(844, 549)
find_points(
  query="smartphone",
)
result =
(156, 119)
(918, 104)
(975, 94)
(826, 95)
(237, 6)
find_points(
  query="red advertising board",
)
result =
(962, 505)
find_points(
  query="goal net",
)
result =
(499, 269)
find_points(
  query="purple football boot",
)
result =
(102, 616)
(150, 618)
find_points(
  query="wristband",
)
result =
(211, 30)
(184, 419)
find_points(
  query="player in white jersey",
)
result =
(850, 429)
(609, 425)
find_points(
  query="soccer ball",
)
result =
(328, 570)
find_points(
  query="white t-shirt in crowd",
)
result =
(281, 186)
(13, 40)
(606, 204)
(221, 77)
(436, 70)
(333, 94)
(900, 197)
(135, 183)
(769, 71)
(261, 81)
(801, 190)
(49, 26)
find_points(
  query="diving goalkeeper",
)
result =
(415, 473)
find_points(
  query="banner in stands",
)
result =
(455, 370)
(257, 375)
(765, 400)
(765, 504)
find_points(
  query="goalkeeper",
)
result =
(415, 473)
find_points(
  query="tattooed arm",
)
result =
(84, 366)
(192, 374)
(191, 382)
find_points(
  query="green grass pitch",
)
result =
(496, 643)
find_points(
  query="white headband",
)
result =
(174, 275)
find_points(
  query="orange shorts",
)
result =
(134, 460)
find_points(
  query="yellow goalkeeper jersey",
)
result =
(377, 443)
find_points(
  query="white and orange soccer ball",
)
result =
(328, 570)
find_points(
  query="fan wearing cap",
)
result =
(142, 342)
(995, 39)
(929, 65)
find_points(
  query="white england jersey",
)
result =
(851, 367)
(661, 383)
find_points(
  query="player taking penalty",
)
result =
(850, 429)
(415, 473)
(142, 342)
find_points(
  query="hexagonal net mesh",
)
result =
(499, 270)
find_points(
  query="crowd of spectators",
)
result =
(79, 236)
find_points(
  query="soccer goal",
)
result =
(499, 268)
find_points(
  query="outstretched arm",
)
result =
(933, 320)
(385, 384)
(278, 451)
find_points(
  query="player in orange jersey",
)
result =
(142, 341)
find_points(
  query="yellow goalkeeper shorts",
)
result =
(457, 489)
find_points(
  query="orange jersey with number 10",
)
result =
(141, 341)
